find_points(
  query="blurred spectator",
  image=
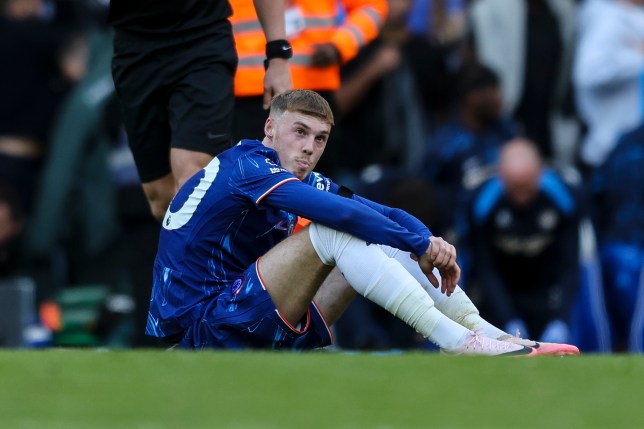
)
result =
(463, 152)
(91, 224)
(524, 234)
(74, 174)
(444, 24)
(11, 224)
(324, 34)
(618, 213)
(440, 20)
(389, 94)
(609, 73)
(529, 44)
(40, 42)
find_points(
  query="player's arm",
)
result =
(345, 214)
(278, 75)
(399, 216)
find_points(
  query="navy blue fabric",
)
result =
(244, 316)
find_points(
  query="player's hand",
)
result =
(442, 255)
(449, 278)
(325, 55)
(276, 80)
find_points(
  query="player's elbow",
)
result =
(345, 219)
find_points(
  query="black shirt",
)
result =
(166, 16)
(527, 252)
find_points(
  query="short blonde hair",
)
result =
(303, 101)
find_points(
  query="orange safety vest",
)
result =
(309, 22)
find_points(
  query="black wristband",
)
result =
(345, 192)
(278, 49)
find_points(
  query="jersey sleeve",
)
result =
(399, 216)
(345, 214)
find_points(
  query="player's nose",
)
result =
(308, 146)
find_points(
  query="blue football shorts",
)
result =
(243, 316)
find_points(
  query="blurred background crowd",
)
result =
(513, 128)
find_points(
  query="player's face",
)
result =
(299, 141)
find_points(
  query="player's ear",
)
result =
(269, 127)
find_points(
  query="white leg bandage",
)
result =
(384, 281)
(457, 307)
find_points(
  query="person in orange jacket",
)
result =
(321, 33)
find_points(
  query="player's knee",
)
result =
(321, 241)
(327, 242)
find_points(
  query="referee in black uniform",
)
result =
(173, 68)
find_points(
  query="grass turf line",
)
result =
(156, 389)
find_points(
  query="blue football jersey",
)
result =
(236, 209)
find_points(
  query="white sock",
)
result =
(384, 281)
(457, 307)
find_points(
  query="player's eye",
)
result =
(322, 137)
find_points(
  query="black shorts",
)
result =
(175, 91)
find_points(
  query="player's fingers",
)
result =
(444, 280)
(453, 254)
(448, 283)
(432, 279)
(454, 277)
(451, 257)
(434, 248)
(442, 259)
(268, 94)
(446, 255)
(451, 286)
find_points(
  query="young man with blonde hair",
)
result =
(230, 274)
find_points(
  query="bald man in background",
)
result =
(524, 236)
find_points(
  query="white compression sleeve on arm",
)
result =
(457, 307)
(384, 281)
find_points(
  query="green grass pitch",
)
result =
(157, 389)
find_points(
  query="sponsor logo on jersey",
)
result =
(322, 183)
(275, 168)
